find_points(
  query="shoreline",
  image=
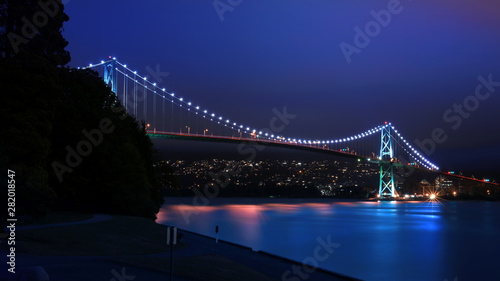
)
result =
(219, 201)
(270, 255)
(65, 250)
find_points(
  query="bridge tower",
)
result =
(386, 185)
(110, 74)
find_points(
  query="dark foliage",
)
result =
(34, 26)
(102, 158)
(65, 134)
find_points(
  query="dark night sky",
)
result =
(268, 54)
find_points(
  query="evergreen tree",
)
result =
(65, 133)
(27, 107)
(34, 26)
(101, 167)
(31, 47)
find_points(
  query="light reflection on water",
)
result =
(379, 240)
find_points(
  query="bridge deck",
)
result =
(290, 145)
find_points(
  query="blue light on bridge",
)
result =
(417, 156)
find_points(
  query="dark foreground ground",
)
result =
(119, 248)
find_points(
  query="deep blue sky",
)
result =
(269, 53)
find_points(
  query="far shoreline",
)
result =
(219, 201)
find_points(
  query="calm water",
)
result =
(378, 241)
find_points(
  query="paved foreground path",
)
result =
(94, 219)
(89, 268)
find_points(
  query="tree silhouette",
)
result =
(35, 27)
(50, 110)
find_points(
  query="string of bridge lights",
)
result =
(173, 98)
(212, 116)
(170, 96)
(410, 149)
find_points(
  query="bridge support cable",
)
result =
(414, 156)
(145, 102)
(154, 123)
(135, 95)
(172, 117)
(163, 126)
(125, 84)
(393, 147)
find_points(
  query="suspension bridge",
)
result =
(170, 115)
